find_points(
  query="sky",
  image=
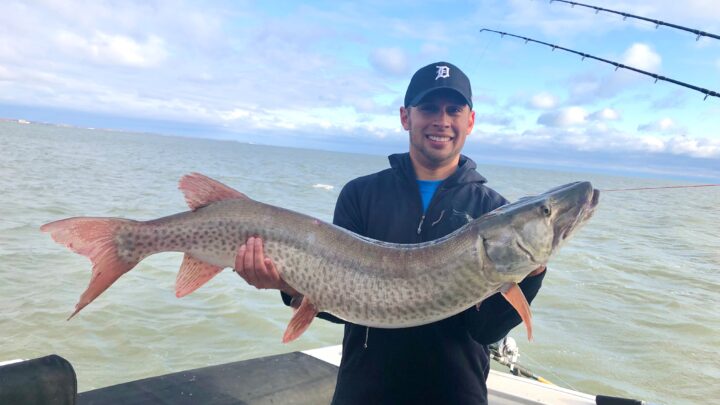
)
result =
(332, 75)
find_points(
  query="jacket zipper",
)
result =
(422, 219)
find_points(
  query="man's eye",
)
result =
(454, 110)
(428, 108)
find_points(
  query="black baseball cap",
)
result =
(436, 76)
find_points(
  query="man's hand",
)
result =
(257, 270)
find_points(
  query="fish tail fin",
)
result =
(301, 320)
(95, 239)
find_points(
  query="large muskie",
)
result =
(360, 280)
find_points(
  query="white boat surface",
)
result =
(503, 388)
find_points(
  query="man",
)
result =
(426, 194)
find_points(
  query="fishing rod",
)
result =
(506, 353)
(659, 188)
(617, 65)
(638, 17)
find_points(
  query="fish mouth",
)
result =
(526, 251)
(583, 212)
(592, 204)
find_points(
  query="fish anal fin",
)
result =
(514, 295)
(200, 190)
(301, 320)
(193, 274)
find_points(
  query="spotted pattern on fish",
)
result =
(358, 279)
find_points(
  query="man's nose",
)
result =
(442, 120)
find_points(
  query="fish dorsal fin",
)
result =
(200, 190)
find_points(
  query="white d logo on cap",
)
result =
(442, 72)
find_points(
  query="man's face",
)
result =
(438, 127)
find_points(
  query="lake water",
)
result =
(629, 306)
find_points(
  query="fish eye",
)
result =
(546, 210)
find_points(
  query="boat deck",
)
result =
(292, 378)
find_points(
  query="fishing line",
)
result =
(658, 188)
(549, 371)
(482, 53)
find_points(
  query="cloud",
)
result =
(590, 87)
(311, 68)
(108, 49)
(600, 139)
(675, 99)
(310, 120)
(606, 114)
(663, 125)
(642, 56)
(391, 61)
(433, 51)
(701, 148)
(554, 20)
(197, 63)
(494, 119)
(543, 101)
(566, 117)
(5, 73)
(692, 12)
(484, 99)
(584, 88)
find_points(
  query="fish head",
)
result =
(521, 236)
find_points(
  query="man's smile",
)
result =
(439, 138)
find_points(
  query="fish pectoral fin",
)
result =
(514, 295)
(200, 190)
(193, 274)
(301, 320)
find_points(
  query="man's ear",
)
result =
(405, 118)
(471, 121)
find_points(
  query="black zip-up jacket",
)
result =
(445, 362)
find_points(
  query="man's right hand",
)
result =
(257, 270)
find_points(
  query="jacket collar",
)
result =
(465, 173)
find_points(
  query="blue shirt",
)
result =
(427, 190)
